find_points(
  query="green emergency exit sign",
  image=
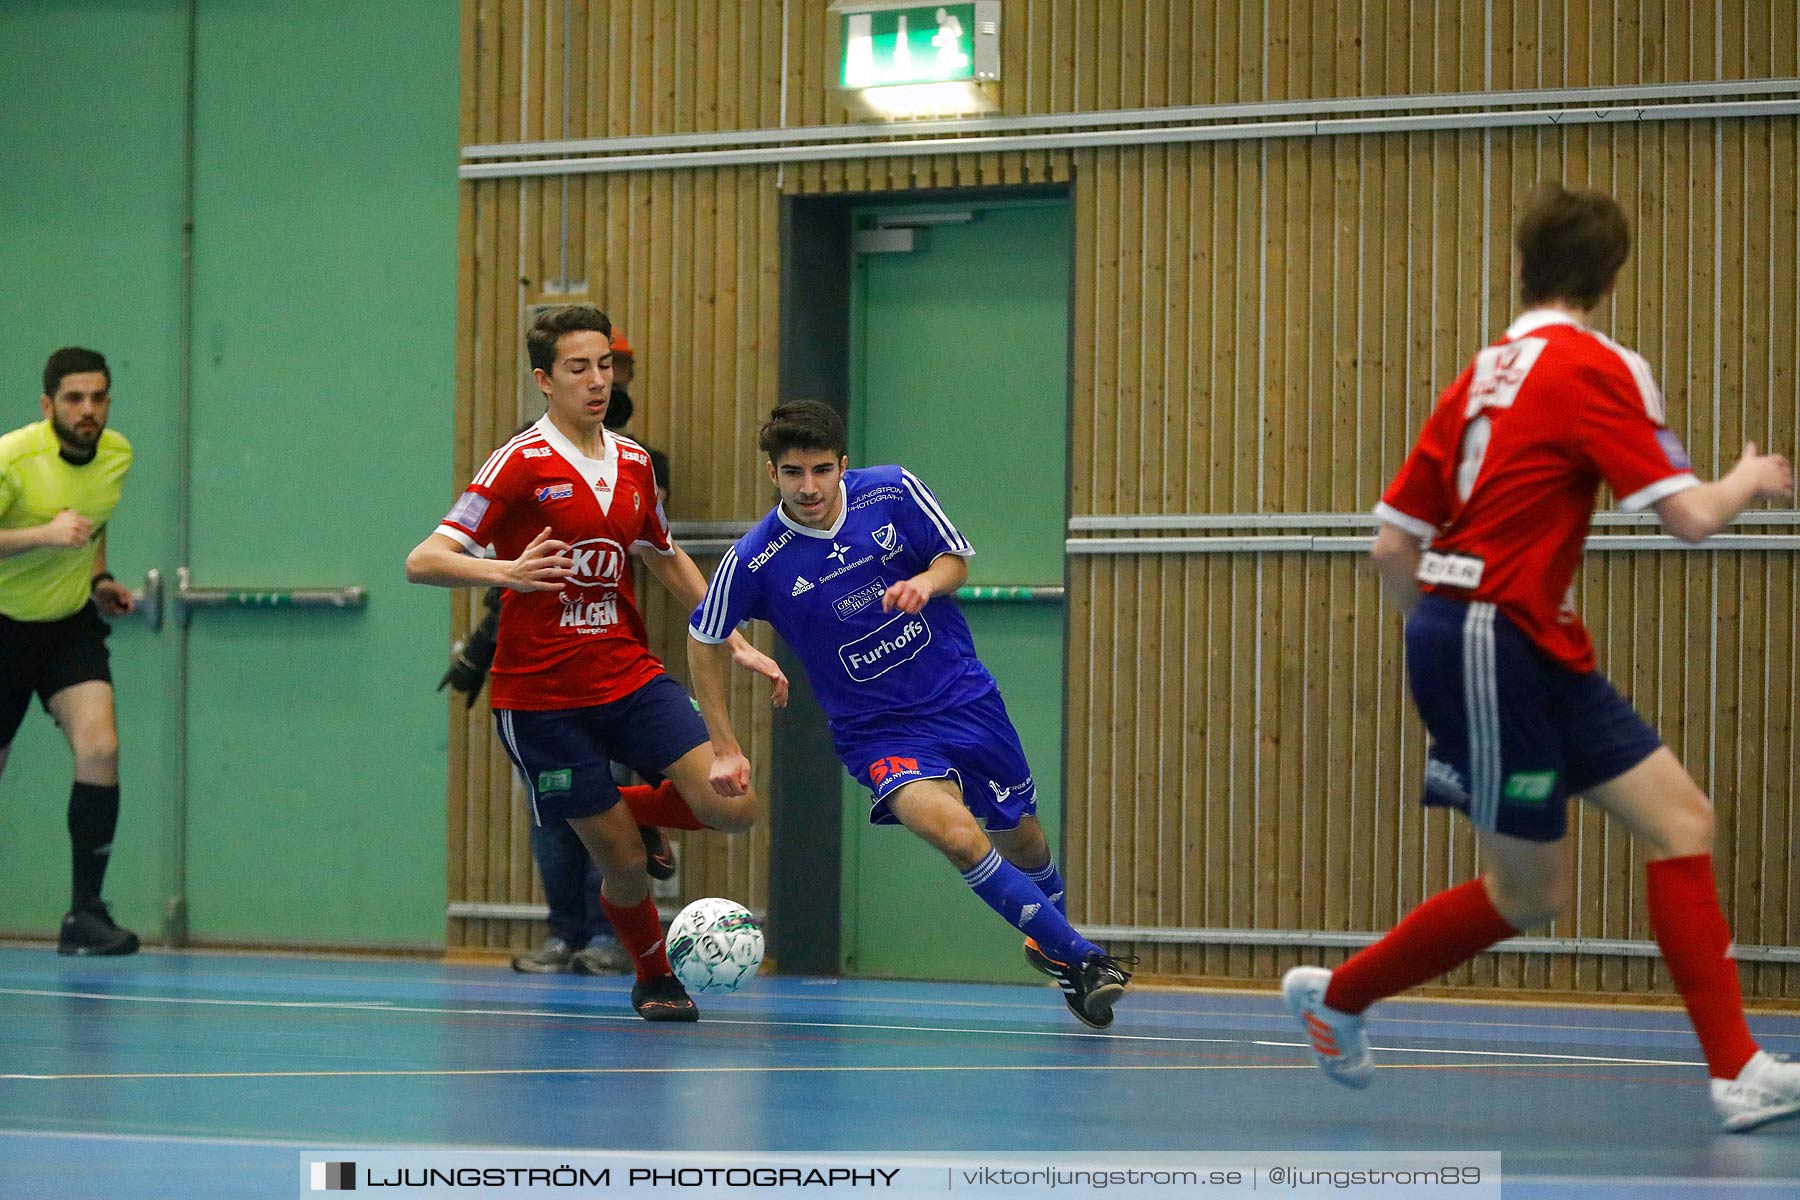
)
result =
(889, 45)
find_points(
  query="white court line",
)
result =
(383, 1007)
(1594, 1058)
(786, 1069)
(358, 1004)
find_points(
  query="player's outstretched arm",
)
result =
(707, 667)
(442, 561)
(946, 573)
(1696, 513)
(1396, 553)
(682, 577)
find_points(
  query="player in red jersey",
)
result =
(1481, 534)
(574, 685)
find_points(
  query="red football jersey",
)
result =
(1503, 479)
(583, 645)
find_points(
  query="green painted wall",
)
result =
(322, 359)
(959, 371)
(90, 254)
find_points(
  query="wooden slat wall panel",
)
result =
(1261, 327)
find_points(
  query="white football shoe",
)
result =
(1338, 1042)
(1767, 1089)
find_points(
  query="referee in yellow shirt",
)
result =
(60, 479)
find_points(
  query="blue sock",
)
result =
(1006, 890)
(1050, 882)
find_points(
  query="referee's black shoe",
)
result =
(89, 929)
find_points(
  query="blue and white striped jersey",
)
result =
(821, 590)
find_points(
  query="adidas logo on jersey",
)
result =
(800, 585)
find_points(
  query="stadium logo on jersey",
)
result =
(537, 452)
(769, 551)
(837, 553)
(892, 767)
(599, 562)
(800, 585)
(897, 642)
(555, 491)
(851, 603)
(887, 537)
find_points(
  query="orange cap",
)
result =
(619, 343)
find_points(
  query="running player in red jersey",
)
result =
(574, 685)
(1481, 534)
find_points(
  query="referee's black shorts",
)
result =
(45, 657)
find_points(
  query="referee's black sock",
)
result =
(93, 815)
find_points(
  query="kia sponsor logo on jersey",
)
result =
(769, 551)
(851, 603)
(897, 642)
(599, 562)
(554, 491)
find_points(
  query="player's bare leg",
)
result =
(689, 774)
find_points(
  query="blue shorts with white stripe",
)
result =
(1513, 734)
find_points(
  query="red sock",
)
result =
(661, 805)
(1446, 931)
(640, 931)
(1696, 943)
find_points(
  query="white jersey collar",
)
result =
(809, 531)
(1534, 319)
(563, 446)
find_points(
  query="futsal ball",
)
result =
(715, 945)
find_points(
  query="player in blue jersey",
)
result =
(857, 570)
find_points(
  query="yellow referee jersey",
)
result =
(36, 483)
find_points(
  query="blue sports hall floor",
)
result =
(201, 1075)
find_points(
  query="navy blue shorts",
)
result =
(1513, 734)
(565, 755)
(974, 744)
